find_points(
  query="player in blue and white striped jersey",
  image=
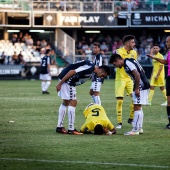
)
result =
(45, 75)
(74, 75)
(96, 81)
(140, 89)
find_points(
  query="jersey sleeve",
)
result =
(110, 125)
(130, 65)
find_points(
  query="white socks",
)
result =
(47, 84)
(138, 120)
(71, 116)
(96, 99)
(61, 115)
(42, 85)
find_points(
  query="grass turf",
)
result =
(30, 140)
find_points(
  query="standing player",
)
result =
(96, 81)
(167, 61)
(123, 81)
(140, 88)
(45, 75)
(97, 121)
(74, 75)
(158, 75)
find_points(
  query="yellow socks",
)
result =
(119, 110)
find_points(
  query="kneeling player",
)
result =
(97, 121)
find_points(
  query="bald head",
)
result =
(168, 42)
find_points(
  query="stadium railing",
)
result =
(90, 6)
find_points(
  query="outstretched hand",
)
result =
(150, 56)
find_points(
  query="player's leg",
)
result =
(95, 91)
(43, 81)
(48, 82)
(61, 115)
(64, 93)
(119, 93)
(71, 111)
(168, 98)
(129, 89)
(151, 94)
(138, 112)
(163, 90)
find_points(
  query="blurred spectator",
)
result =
(108, 39)
(43, 43)
(42, 52)
(96, 5)
(14, 38)
(88, 53)
(129, 5)
(2, 59)
(79, 50)
(29, 41)
(53, 57)
(48, 47)
(38, 45)
(20, 37)
(103, 46)
(26, 37)
(21, 59)
(164, 4)
(63, 5)
(15, 58)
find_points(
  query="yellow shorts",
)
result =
(157, 83)
(121, 85)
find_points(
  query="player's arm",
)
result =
(158, 59)
(111, 128)
(159, 72)
(84, 129)
(66, 77)
(137, 81)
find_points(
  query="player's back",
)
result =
(96, 113)
(120, 72)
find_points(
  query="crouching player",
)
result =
(97, 121)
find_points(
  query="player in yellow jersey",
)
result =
(123, 81)
(97, 121)
(157, 76)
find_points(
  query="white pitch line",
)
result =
(22, 98)
(83, 162)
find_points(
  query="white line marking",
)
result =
(19, 98)
(82, 162)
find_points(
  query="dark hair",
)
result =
(156, 44)
(127, 38)
(98, 129)
(114, 58)
(105, 68)
(47, 51)
(96, 44)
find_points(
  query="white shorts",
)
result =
(67, 92)
(96, 86)
(143, 99)
(45, 77)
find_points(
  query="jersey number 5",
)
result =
(96, 112)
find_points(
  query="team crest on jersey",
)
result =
(132, 56)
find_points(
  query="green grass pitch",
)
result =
(28, 139)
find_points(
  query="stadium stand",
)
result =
(82, 48)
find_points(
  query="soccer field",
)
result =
(28, 139)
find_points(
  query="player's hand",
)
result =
(137, 92)
(58, 87)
